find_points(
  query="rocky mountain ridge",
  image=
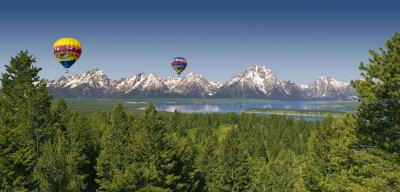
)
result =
(257, 81)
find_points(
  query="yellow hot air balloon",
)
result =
(67, 51)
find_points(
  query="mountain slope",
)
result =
(194, 85)
(327, 88)
(294, 91)
(91, 84)
(257, 81)
(141, 85)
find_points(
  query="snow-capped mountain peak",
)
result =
(258, 73)
(128, 84)
(95, 72)
(170, 82)
(257, 78)
(257, 81)
(153, 82)
(194, 84)
(332, 81)
(94, 78)
(139, 81)
(327, 87)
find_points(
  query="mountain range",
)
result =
(257, 81)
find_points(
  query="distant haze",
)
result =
(300, 40)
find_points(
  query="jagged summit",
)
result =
(256, 81)
(257, 74)
(93, 83)
(194, 85)
(330, 80)
(95, 70)
(330, 88)
(170, 82)
(259, 68)
(94, 77)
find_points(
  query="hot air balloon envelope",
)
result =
(178, 64)
(67, 51)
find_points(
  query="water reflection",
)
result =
(239, 107)
(193, 108)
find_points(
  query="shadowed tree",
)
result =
(58, 167)
(24, 119)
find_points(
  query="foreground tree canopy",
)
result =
(46, 146)
(379, 91)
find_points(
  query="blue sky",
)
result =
(299, 40)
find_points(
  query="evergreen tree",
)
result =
(333, 164)
(24, 120)
(317, 155)
(114, 157)
(153, 189)
(73, 148)
(233, 169)
(379, 92)
(60, 115)
(82, 140)
(158, 159)
(58, 167)
(207, 160)
(280, 174)
(329, 152)
(188, 177)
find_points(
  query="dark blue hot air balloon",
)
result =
(179, 64)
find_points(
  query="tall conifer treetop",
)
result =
(379, 92)
(24, 122)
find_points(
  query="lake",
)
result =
(240, 106)
(212, 105)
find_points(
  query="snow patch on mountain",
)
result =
(93, 78)
(257, 81)
(170, 82)
(330, 88)
(194, 85)
(302, 86)
(256, 76)
(216, 84)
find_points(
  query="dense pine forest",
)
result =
(46, 146)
